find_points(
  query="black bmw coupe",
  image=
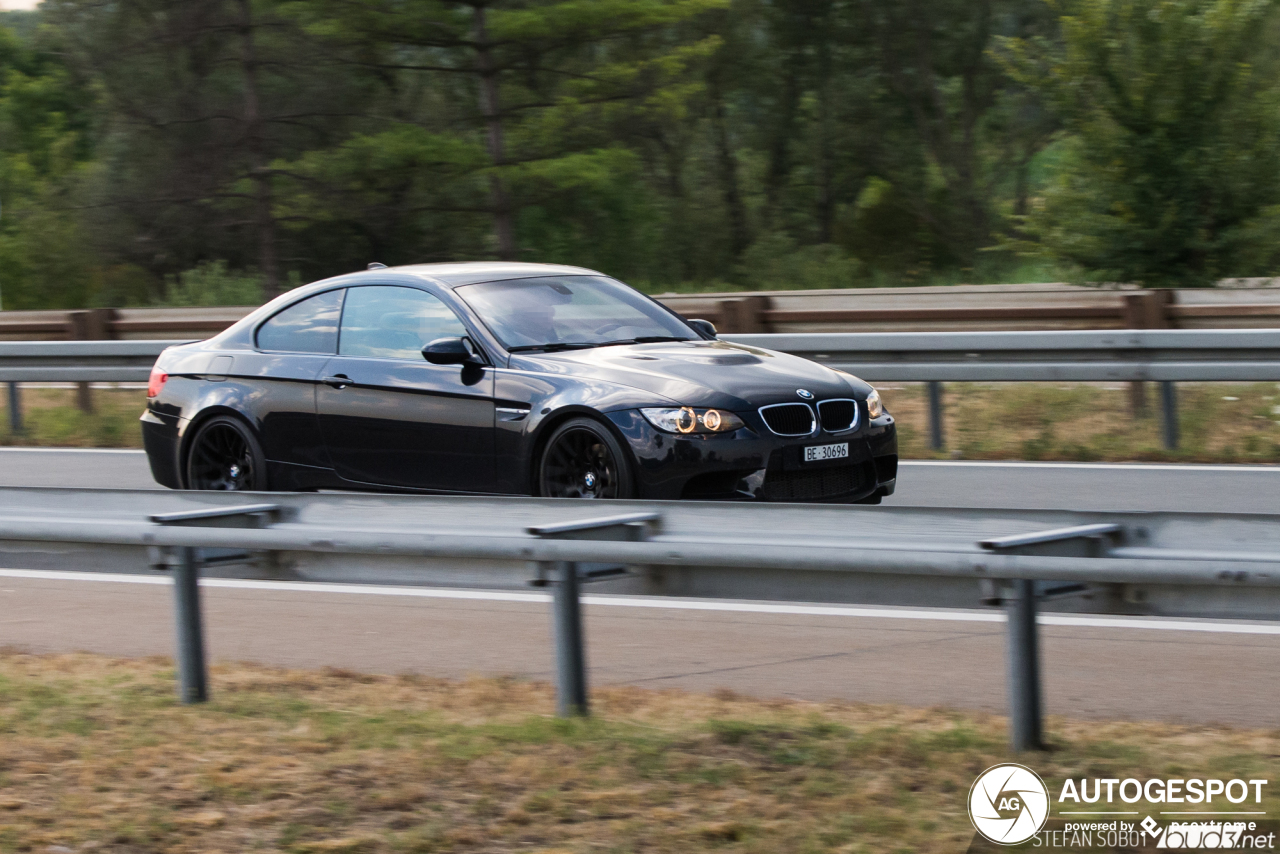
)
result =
(507, 378)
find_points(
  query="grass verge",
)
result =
(96, 754)
(1220, 422)
(51, 418)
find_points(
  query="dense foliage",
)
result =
(191, 151)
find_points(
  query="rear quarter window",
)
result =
(309, 326)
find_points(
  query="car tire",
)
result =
(225, 455)
(583, 459)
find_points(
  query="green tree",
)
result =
(962, 133)
(1170, 157)
(198, 99)
(515, 111)
(45, 144)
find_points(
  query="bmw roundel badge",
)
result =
(805, 393)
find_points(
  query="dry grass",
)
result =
(96, 755)
(1219, 422)
(51, 418)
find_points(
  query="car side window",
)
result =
(394, 323)
(309, 326)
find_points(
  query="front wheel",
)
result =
(582, 459)
(225, 455)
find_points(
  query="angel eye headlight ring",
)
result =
(686, 420)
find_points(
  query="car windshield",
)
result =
(570, 312)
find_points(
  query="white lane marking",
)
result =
(24, 450)
(1160, 624)
(663, 603)
(1094, 466)
(114, 577)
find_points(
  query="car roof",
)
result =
(445, 275)
(450, 275)
(473, 272)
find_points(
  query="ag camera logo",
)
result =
(1008, 804)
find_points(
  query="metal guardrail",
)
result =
(116, 323)
(982, 307)
(726, 550)
(937, 308)
(79, 361)
(1237, 355)
(1163, 356)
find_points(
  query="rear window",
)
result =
(310, 326)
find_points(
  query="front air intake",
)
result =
(838, 415)
(789, 419)
(813, 485)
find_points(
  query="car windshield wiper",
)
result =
(552, 348)
(644, 339)
(558, 346)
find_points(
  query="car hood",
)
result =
(717, 374)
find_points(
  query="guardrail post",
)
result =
(1138, 399)
(15, 409)
(935, 416)
(571, 658)
(1145, 310)
(1025, 728)
(91, 325)
(1169, 408)
(744, 315)
(568, 577)
(193, 675)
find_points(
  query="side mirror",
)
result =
(705, 327)
(452, 351)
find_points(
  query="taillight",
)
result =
(156, 383)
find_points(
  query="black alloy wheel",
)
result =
(225, 455)
(582, 459)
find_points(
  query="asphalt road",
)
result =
(1095, 667)
(1071, 486)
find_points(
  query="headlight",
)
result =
(875, 408)
(686, 419)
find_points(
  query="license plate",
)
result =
(818, 453)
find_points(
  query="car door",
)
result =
(391, 418)
(276, 382)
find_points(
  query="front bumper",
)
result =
(752, 465)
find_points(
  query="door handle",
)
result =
(337, 381)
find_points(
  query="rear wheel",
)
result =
(582, 459)
(225, 455)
